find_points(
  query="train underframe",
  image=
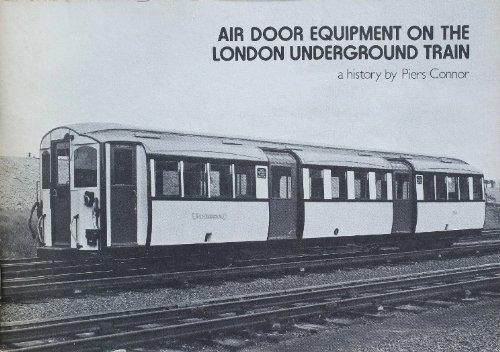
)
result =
(226, 253)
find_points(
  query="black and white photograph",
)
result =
(250, 176)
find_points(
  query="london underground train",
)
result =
(106, 186)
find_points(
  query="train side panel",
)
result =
(445, 216)
(188, 222)
(350, 218)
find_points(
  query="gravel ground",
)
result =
(460, 328)
(88, 304)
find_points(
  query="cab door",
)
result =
(123, 194)
(283, 188)
(60, 199)
(404, 202)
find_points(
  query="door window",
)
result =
(402, 183)
(62, 164)
(281, 182)
(124, 166)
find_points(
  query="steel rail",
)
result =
(281, 306)
(448, 273)
(420, 278)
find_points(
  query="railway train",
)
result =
(107, 187)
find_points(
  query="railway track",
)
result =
(486, 234)
(140, 326)
(18, 288)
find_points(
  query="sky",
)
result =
(149, 64)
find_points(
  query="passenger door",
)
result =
(404, 207)
(283, 195)
(60, 199)
(123, 194)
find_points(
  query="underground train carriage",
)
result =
(115, 188)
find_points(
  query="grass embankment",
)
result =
(15, 237)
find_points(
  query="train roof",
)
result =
(223, 147)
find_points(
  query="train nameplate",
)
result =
(261, 172)
(204, 216)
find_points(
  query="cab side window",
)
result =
(85, 174)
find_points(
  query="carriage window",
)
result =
(245, 181)
(221, 181)
(361, 185)
(477, 188)
(45, 170)
(85, 167)
(316, 183)
(281, 182)
(464, 187)
(195, 180)
(452, 187)
(168, 181)
(63, 164)
(124, 166)
(339, 184)
(402, 186)
(440, 187)
(429, 187)
(381, 185)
